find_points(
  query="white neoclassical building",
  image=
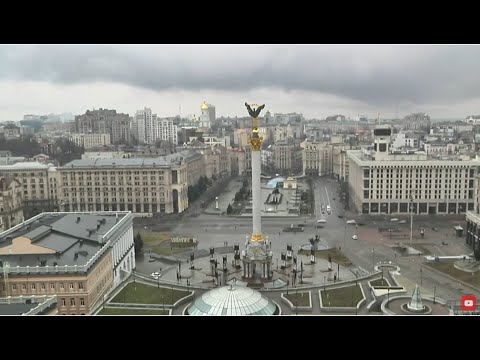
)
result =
(381, 182)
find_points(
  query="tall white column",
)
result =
(256, 192)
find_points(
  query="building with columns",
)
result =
(381, 182)
(40, 185)
(143, 185)
(77, 257)
(473, 218)
(89, 141)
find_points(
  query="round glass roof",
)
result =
(232, 300)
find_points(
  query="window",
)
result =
(80, 286)
(64, 303)
(42, 286)
(82, 302)
(52, 286)
(24, 286)
(71, 286)
(72, 301)
(33, 286)
(61, 286)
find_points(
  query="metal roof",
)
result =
(232, 300)
(171, 159)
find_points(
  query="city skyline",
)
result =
(316, 80)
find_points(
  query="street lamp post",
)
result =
(434, 290)
(373, 258)
(345, 237)
(296, 302)
(421, 276)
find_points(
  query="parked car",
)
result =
(354, 237)
(402, 222)
(329, 210)
(155, 275)
(352, 222)
(321, 221)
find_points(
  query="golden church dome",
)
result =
(204, 106)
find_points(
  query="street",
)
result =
(370, 248)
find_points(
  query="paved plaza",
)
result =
(222, 232)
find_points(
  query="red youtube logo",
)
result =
(468, 303)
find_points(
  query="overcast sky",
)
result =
(316, 80)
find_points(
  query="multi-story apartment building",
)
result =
(78, 258)
(385, 183)
(267, 158)
(317, 158)
(148, 185)
(195, 166)
(282, 133)
(322, 158)
(166, 130)
(40, 183)
(237, 161)
(11, 202)
(145, 124)
(340, 163)
(104, 121)
(89, 141)
(283, 156)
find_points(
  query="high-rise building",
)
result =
(166, 130)
(211, 113)
(146, 125)
(104, 121)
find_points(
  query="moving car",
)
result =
(328, 209)
(354, 237)
(155, 275)
(353, 222)
(321, 221)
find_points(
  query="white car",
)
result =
(328, 209)
(321, 221)
(353, 222)
(155, 275)
(355, 237)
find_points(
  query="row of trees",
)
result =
(243, 193)
(138, 241)
(198, 189)
(25, 146)
(64, 150)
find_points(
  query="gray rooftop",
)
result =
(75, 238)
(15, 309)
(167, 160)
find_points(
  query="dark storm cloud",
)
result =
(373, 74)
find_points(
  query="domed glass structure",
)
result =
(272, 184)
(232, 300)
